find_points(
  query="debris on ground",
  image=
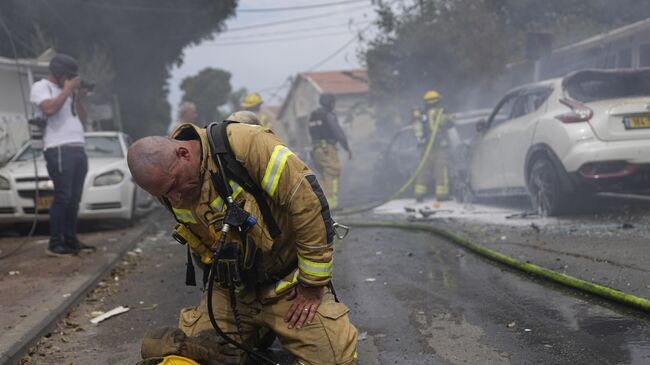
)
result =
(511, 324)
(370, 280)
(524, 215)
(111, 313)
(14, 272)
(409, 210)
(535, 227)
(363, 336)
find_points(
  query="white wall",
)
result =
(13, 122)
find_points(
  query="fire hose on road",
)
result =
(554, 276)
(400, 191)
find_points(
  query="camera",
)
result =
(87, 85)
(36, 127)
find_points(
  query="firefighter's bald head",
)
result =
(167, 168)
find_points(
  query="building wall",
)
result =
(352, 110)
(296, 115)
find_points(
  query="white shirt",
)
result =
(62, 127)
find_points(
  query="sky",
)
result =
(262, 58)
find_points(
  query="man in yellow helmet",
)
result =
(272, 268)
(431, 124)
(253, 102)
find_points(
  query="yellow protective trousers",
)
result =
(434, 171)
(330, 339)
(326, 159)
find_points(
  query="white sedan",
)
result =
(109, 192)
(586, 133)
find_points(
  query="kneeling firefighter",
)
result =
(259, 225)
(430, 123)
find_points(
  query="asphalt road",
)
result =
(416, 299)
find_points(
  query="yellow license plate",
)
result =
(44, 202)
(637, 121)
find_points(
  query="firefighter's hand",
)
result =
(305, 302)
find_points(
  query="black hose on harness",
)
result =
(214, 323)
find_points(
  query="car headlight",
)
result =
(4, 183)
(109, 178)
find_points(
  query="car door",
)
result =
(486, 165)
(517, 134)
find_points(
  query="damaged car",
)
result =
(557, 140)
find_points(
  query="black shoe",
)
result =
(60, 251)
(80, 246)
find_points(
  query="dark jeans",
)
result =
(67, 167)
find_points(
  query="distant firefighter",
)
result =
(325, 133)
(253, 102)
(431, 124)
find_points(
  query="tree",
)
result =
(209, 90)
(140, 39)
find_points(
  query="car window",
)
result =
(504, 112)
(588, 87)
(103, 147)
(536, 99)
(28, 153)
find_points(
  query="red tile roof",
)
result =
(339, 82)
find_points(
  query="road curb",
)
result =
(18, 350)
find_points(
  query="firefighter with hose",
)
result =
(431, 124)
(255, 218)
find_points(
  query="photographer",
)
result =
(59, 98)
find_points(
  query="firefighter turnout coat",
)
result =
(301, 253)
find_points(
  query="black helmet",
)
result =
(62, 65)
(327, 100)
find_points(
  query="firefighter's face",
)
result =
(181, 183)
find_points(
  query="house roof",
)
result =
(341, 82)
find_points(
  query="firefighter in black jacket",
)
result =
(325, 133)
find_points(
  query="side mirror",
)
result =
(481, 126)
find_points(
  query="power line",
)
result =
(293, 20)
(313, 6)
(264, 25)
(277, 40)
(337, 51)
(150, 9)
(292, 31)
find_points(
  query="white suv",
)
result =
(588, 132)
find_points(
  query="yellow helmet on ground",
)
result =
(431, 97)
(251, 100)
(177, 360)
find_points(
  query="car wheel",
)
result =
(544, 189)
